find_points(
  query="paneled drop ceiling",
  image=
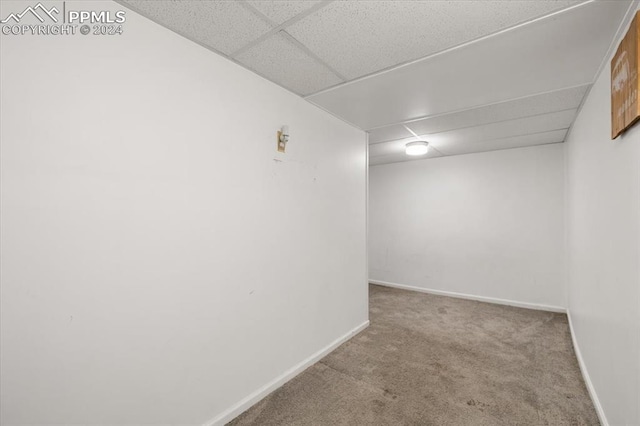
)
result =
(467, 76)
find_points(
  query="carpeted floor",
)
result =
(433, 360)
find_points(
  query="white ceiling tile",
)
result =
(457, 148)
(519, 108)
(224, 26)
(281, 11)
(400, 156)
(279, 60)
(504, 129)
(388, 134)
(533, 130)
(563, 51)
(390, 147)
(393, 152)
(361, 37)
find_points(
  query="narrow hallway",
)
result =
(429, 359)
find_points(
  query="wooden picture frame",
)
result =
(625, 109)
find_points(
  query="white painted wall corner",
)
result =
(261, 393)
(526, 305)
(585, 375)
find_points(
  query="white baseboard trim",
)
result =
(526, 305)
(240, 407)
(585, 375)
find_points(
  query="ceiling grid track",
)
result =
(306, 50)
(447, 50)
(478, 107)
(466, 77)
(275, 27)
(426, 135)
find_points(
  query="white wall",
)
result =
(603, 247)
(160, 260)
(487, 224)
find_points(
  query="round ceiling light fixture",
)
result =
(417, 148)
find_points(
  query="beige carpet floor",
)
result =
(433, 360)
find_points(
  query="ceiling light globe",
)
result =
(417, 148)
